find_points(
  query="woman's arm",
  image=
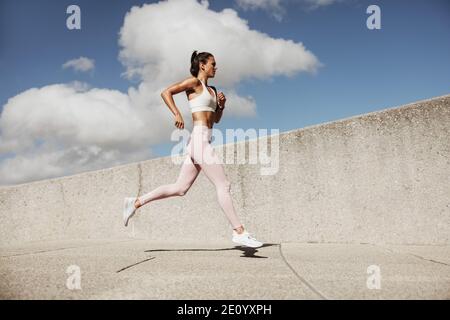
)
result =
(220, 99)
(218, 115)
(178, 87)
(220, 106)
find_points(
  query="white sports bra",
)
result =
(204, 101)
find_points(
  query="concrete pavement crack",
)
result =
(62, 193)
(415, 255)
(65, 204)
(140, 179)
(135, 264)
(430, 260)
(303, 280)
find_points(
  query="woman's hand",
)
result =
(221, 100)
(179, 122)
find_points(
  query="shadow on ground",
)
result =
(246, 251)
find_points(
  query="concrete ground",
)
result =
(141, 269)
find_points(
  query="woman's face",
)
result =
(210, 67)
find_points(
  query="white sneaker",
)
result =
(128, 209)
(245, 239)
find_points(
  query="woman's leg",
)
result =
(188, 173)
(203, 154)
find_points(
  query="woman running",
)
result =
(206, 107)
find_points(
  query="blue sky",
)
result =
(363, 70)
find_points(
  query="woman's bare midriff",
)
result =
(203, 117)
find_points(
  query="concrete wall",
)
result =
(381, 177)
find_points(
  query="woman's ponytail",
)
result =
(196, 58)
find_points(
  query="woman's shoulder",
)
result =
(193, 80)
(193, 85)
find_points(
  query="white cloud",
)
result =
(242, 106)
(63, 129)
(277, 9)
(314, 4)
(271, 6)
(157, 41)
(81, 64)
(67, 128)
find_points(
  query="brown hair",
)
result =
(196, 58)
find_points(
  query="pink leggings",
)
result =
(199, 151)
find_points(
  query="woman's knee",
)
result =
(182, 190)
(224, 186)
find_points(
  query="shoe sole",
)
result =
(246, 245)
